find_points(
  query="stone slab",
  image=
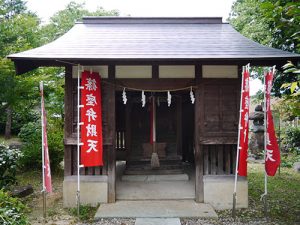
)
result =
(93, 190)
(156, 209)
(162, 190)
(218, 191)
(153, 178)
(157, 221)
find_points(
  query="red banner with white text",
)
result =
(91, 117)
(272, 157)
(244, 124)
(46, 163)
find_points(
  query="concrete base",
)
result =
(93, 190)
(218, 190)
(155, 209)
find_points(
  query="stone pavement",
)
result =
(156, 209)
(157, 221)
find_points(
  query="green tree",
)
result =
(64, 20)
(274, 23)
(19, 31)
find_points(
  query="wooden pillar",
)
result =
(179, 125)
(199, 185)
(128, 129)
(68, 120)
(111, 123)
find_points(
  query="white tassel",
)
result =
(143, 99)
(124, 96)
(192, 96)
(169, 98)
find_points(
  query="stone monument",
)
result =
(256, 144)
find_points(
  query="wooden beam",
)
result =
(199, 185)
(68, 120)
(155, 71)
(111, 120)
(154, 84)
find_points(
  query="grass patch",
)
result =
(87, 212)
(283, 196)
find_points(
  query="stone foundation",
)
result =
(218, 190)
(93, 190)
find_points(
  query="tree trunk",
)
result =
(8, 123)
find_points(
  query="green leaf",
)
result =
(285, 85)
(296, 71)
(293, 87)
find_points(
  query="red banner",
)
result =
(151, 122)
(244, 124)
(91, 117)
(272, 157)
(46, 163)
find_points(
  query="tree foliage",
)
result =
(274, 23)
(21, 30)
(63, 20)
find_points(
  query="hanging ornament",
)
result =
(124, 97)
(143, 99)
(169, 98)
(192, 96)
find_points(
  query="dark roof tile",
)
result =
(152, 38)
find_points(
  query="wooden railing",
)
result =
(120, 140)
(219, 159)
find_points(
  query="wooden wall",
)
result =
(215, 124)
(108, 99)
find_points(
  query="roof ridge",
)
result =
(150, 20)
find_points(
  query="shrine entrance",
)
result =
(174, 145)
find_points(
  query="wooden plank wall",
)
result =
(108, 123)
(219, 159)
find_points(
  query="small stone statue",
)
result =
(256, 144)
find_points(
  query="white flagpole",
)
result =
(43, 150)
(238, 151)
(264, 195)
(78, 140)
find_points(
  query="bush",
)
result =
(8, 165)
(292, 139)
(31, 134)
(12, 210)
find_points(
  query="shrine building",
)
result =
(172, 60)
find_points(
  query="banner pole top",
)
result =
(41, 85)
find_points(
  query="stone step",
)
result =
(155, 209)
(157, 221)
(154, 178)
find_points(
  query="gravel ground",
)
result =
(186, 221)
(113, 221)
(223, 221)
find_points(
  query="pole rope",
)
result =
(78, 141)
(238, 149)
(263, 197)
(43, 149)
